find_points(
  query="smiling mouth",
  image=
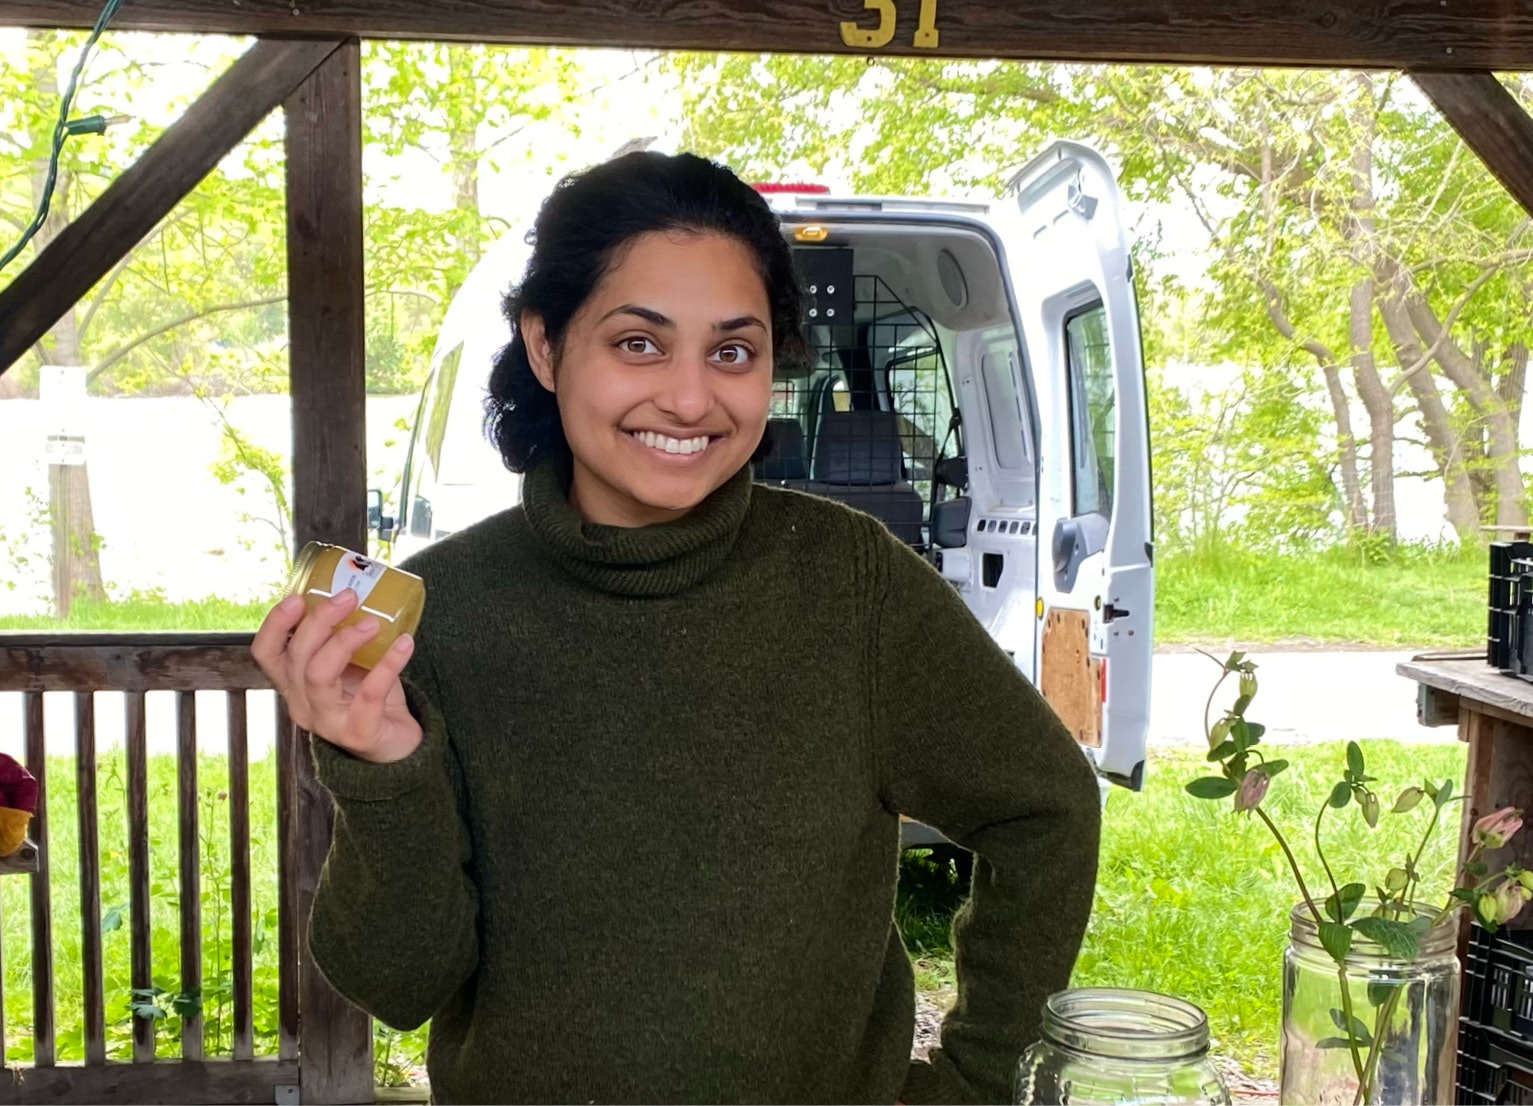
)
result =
(662, 443)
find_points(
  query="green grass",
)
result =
(1403, 597)
(397, 1053)
(147, 613)
(1193, 900)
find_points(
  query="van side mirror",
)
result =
(377, 522)
(952, 472)
(950, 522)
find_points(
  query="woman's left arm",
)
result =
(965, 744)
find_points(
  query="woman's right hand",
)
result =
(308, 661)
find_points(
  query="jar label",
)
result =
(358, 573)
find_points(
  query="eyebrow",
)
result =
(651, 316)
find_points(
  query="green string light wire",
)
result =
(62, 131)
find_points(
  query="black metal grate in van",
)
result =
(867, 418)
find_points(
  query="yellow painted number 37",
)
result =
(883, 34)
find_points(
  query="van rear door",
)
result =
(1073, 280)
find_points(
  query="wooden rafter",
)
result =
(1396, 34)
(87, 249)
(1491, 122)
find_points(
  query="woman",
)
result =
(624, 820)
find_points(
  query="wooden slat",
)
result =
(127, 662)
(87, 249)
(94, 992)
(191, 881)
(1476, 34)
(42, 900)
(328, 377)
(239, 871)
(141, 974)
(1491, 122)
(169, 1081)
(289, 845)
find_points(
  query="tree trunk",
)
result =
(1501, 446)
(1346, 448)
(463, 152)
(1458, 488)
(76, 559)
(1375, 396)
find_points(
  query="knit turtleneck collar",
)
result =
(644, 561)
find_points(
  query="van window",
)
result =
(440, 405)
(1000, 369)
(1093, 438)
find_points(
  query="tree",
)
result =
(1348, 226)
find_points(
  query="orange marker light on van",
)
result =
(811, 233)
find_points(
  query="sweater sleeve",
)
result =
(965, 744)
(394, 926)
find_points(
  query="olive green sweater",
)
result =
(647, 849)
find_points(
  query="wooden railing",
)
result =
(333, 1039)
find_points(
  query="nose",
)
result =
(686, 393)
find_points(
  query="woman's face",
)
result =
(665, 377)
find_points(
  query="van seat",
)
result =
(858, 460)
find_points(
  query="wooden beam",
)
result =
(127, 662)
(1490, 121)
(160, 1081)
(133, 204)
(328, 375)
(1395, 34)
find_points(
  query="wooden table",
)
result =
(1494, 715)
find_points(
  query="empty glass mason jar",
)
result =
(1131, 1048)
(1409, 1007)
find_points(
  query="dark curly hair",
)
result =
(579, 236)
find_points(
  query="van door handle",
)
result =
(1110, 613)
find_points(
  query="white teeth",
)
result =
(672, 445)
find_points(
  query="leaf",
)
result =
(1341, 908)
(1211, 787)
(111, 920)
(1359, 1030)
(1444, 794)
(1240, 732)
(1255, 732)
(1396, 938)
(1333, 1042)
(1225, 750)
(1341, 795)
(1273, 767)
(1464, 894)
(1337, 940)
(1378, 993)
(1354, 758)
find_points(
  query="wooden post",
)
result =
(1490, 121)
(326, 334)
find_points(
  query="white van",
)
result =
(974, 379)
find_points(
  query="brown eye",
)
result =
(638, 345)
(735, 353)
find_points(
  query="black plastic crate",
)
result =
(1509, 630)
(1490, 1072)
(1498, 983)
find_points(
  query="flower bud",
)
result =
(1219, 733)
(1485, 906)
(1371, 809)
(1525, 878)
(1248, 683)
(1510, 897)
(1252, 789)
(1495, 830)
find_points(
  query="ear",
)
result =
(540, 353)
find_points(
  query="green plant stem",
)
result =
(1208, 706)
(1324, 864)
(1415, 872)
(1346, 996)
(1293, 864)
(1386, 1013)
(1346, 1008)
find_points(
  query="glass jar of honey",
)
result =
(392, 596)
